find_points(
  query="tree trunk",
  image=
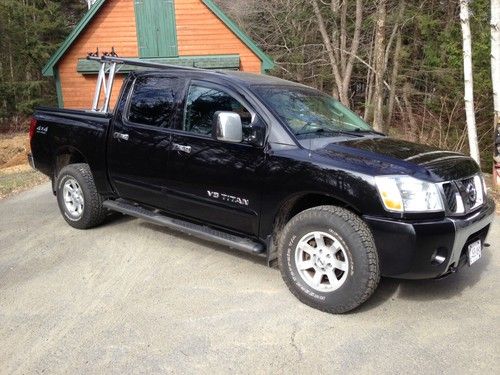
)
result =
(330, 51)
(379, 57)
(394, 78)
(495, 79)
(340, 56)
(468, 81)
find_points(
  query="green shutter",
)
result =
(156, 29)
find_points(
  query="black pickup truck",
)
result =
(272, 168)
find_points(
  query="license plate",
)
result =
(474, 251)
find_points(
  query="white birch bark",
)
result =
(495, 54)
(495, 79)
(468, 81)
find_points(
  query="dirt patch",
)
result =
(15, 173)
(13, 150)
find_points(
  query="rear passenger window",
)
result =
(203, 102)
(153, 101)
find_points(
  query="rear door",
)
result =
(214, 181)
(138, 151)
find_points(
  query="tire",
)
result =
(328, 260)
(79, 202)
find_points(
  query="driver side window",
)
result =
(201, 105)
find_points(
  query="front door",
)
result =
(140, 144)
(211, 180)
(156, 30)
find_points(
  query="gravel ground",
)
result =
(129, 297)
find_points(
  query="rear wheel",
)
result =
(77, 197)
(328, 259)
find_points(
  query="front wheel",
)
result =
(328, 259)
(77, 197)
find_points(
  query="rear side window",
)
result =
(153, 101)
(203, 102)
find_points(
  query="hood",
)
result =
(399, 156)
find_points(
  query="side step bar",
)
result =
(196, 230)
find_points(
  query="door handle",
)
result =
(120, 136)
(182, 148)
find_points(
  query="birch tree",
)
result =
(379, 64)
(495, 78)
(468, 81)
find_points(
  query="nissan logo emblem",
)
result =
(471, 192)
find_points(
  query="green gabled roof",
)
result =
(48, 69)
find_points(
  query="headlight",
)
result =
(408, 194)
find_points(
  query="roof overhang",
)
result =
(267, 61)
(48, 69)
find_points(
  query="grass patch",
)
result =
(17, 179)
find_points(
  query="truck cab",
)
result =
(273, 168)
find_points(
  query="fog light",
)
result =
(439, 256)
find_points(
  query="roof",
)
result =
(241, 78)
(48, 69)
(259, 79)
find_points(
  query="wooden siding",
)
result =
(200, 32)
(114, 25)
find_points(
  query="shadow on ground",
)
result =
(431, 289)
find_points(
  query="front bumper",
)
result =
(408, 249)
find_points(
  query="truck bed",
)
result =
(76, 134)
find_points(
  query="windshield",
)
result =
(310, 113)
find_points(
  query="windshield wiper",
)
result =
(371, 131)
(323, 130)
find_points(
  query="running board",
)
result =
(195, 230)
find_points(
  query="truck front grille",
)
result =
(464, 195)
(450, 191)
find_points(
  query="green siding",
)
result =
(60, 99)
(156, 29)
(231, 62)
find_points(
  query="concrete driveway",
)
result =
(129, 297)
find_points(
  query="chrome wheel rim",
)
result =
(73, 198)
(322, 261)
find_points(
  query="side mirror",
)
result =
(227, 127)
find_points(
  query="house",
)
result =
(180, 32)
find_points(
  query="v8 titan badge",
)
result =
(228, 198)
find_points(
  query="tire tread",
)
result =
(361, 229)
(96, 213)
